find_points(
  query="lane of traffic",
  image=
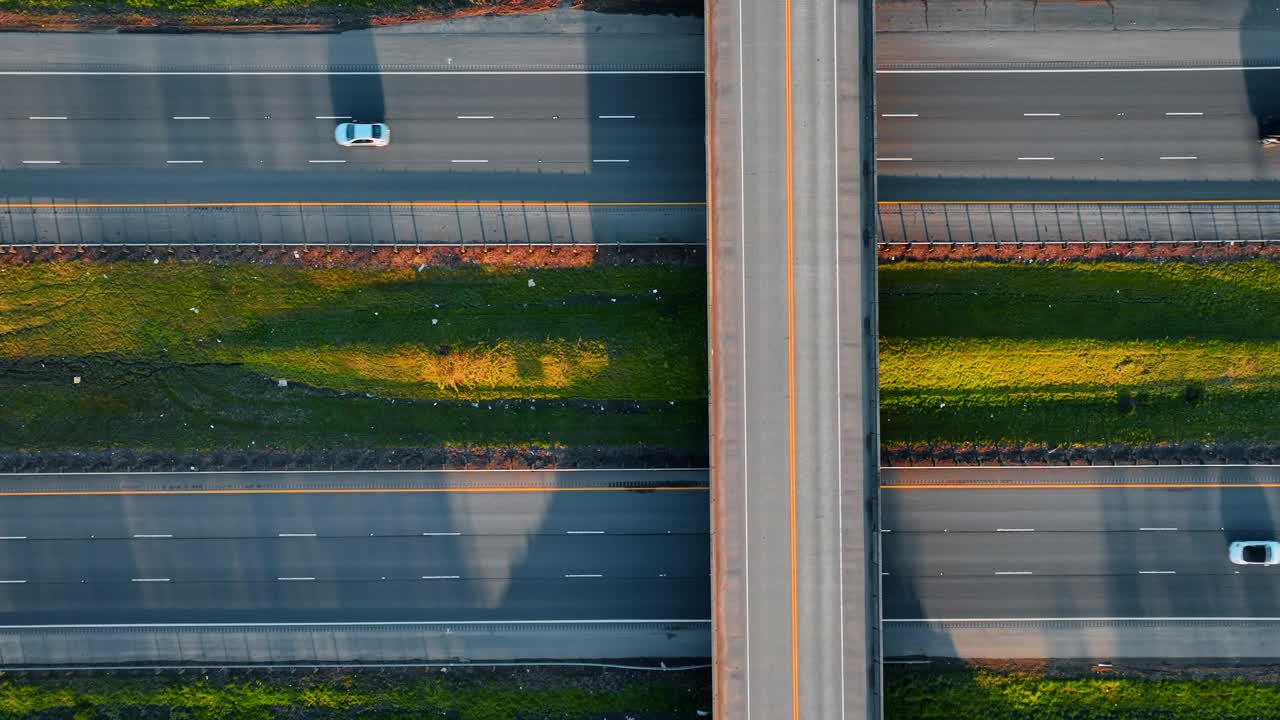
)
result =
(319, 601)
(976, 136)
(984, 554)
(352, 559)
(270, 138)
(504, 144)
(302, 97)
(296, 555)
(360, 515)
(1088, 542)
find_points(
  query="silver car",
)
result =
(358, 134)
(1255, 552)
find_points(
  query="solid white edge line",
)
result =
(1157, 572)
(1035, 158)
(1024, 468)
(899, 115)
(391, 623)
(584, 532)
(326, 161)
(184, 162)
(437, 471)
(1041, 114)
(13, 537)
(333, 117)
(610, 161)
(283, 535)
(1178, 114)
(148, 579)
(475, 117)
(322, 73)
(1179, 157)
(47, 117)
(441, 534)
(441, 577)
(744, 334)
(469, 161)
(1085, 619)
(1158, 528)
(1051, 71)
(12, 582)
(191, 117)
(292, 579)
(41, 162)
(1015, 529)
(293, 667)
(153, 536)
(1013, 572)
(893, 159)
(583, 575)
(616, 117)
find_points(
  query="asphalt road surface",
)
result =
(1078, 552)
(366, 556)
(792, 314)
(1051, 136)
(269, 138)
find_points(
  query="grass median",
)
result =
(1079, 353)
(462, 693)
(985, 695)
(201, 356)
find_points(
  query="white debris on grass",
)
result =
(195, 310)
(282, 383)
(75, 380)
(532, 283)
(435, 321)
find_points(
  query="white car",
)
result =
(1255, 552)
(357, 134)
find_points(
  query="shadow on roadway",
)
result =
(1258, 30)
(362, 97)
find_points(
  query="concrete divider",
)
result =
(453, 224)
(353, 643)
(981, 223)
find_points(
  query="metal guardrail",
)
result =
(467, 225)
(1077, 223)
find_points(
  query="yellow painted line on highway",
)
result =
(1083, 486)
(407, 203)
(336, 491)
(791, 363)
(889, 203)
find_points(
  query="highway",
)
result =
(343, 552)
(1083, 543)
(245, 137)
(1152, 135)
(793, 357)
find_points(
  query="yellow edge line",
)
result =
(1071, 202)
(406, 203)
(332, 491)
(1070, 486)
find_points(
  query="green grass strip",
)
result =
(985, 695)
(1111, 300)
(396, 697)
(189, 356)
(1092, 353)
